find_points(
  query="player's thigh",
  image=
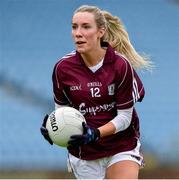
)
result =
(123, 170)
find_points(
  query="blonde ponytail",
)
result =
(118, 37)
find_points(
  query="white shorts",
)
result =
(96, 169)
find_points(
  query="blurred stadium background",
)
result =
(34, 34)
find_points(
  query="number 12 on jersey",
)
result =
(95, 92)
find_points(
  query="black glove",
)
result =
(44, 130)
(89, 135)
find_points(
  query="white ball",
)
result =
(63, 123)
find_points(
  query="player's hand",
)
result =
(89, 135)
(44, 130)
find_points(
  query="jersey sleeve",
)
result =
(60, 96)
(129, 87)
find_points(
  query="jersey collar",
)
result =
(108, 58)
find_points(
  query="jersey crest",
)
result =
(111, 89)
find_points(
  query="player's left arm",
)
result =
(119, 123)
(129, 90)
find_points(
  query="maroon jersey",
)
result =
(97, 96)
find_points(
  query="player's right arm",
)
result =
(59, 106)
(59, 98)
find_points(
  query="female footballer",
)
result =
(99, 80)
